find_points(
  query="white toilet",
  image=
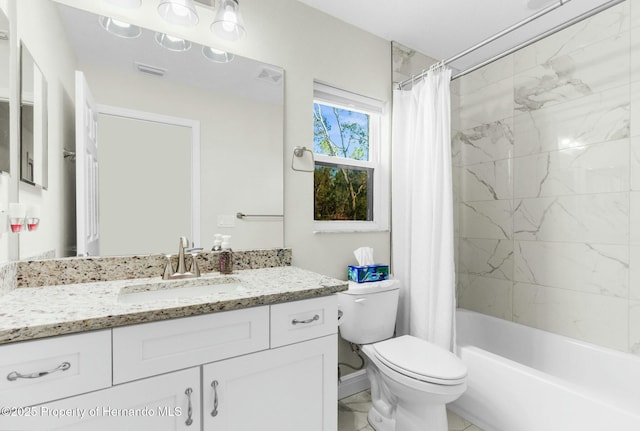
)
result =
(411, 379)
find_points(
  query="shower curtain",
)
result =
(422, 209)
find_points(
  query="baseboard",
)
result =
(469, 417)
(353, 383)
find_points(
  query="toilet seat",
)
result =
(421, 360)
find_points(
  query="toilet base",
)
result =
(430, 418)
(424, 418)
(379, 422)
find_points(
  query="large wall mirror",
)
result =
(4, 92)
(33, 121)
(187, 138)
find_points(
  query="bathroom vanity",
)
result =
(258, 352)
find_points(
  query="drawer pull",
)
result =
(214, 385)
(188, 393)
(298, 322)
(14, 375)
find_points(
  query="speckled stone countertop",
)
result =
(30, 313)
(73, 270)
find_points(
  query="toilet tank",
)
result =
(368, 311)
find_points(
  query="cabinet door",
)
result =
(292, 388)
(38, 371)
(162, 403)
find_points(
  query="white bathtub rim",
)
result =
(582, 343)
(557, 382)
(621, 360)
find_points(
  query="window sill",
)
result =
(348, 227)
(350, 231)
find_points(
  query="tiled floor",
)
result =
(352, 415)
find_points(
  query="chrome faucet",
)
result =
(181, 271)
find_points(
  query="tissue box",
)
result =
(367, 273)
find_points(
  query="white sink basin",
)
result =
(175, 289)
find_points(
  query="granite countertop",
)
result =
(29, 313)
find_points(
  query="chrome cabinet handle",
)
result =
(298, 322)
(214, 385)
(188, 393)
(14, 375)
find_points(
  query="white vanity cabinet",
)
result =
(153, 348)
(290, 388)
(268, 367)
(33, 372)
(170, 402)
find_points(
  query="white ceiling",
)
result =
(242, 77)
(443, 28)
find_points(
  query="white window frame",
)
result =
(378, 157)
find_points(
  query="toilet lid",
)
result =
(373, 287)
(421, 360)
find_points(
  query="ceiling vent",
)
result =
(151, 70)
(271, 75)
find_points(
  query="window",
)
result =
(350, 182)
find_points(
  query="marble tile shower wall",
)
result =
(546, 153)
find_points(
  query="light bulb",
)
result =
(172, 43)
(230, 20)
(179, 10)
(119, 28)
(217, 55)
(228, 23)
(121, 24)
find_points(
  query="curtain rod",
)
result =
(535, 39)
(489, 40)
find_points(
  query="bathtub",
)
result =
(525, 379)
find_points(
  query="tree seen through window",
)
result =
(341, 191)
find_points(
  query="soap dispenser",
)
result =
(226, 255)
(217, 242)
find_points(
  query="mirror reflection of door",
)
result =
(145, 185)
(87, 222)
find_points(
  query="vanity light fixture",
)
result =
(228, 23)
(119, 28)
(172, 43)
(217, 55)
(128, 4)
(181, 12)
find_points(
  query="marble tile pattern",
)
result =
(75, 270)
(485, 143)
(601, 269)
(613, 22)
(571, 75)
(547, 153)
(574, 314)
(596, 118)
(599, 168)
(35, 312)
(486, 257)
